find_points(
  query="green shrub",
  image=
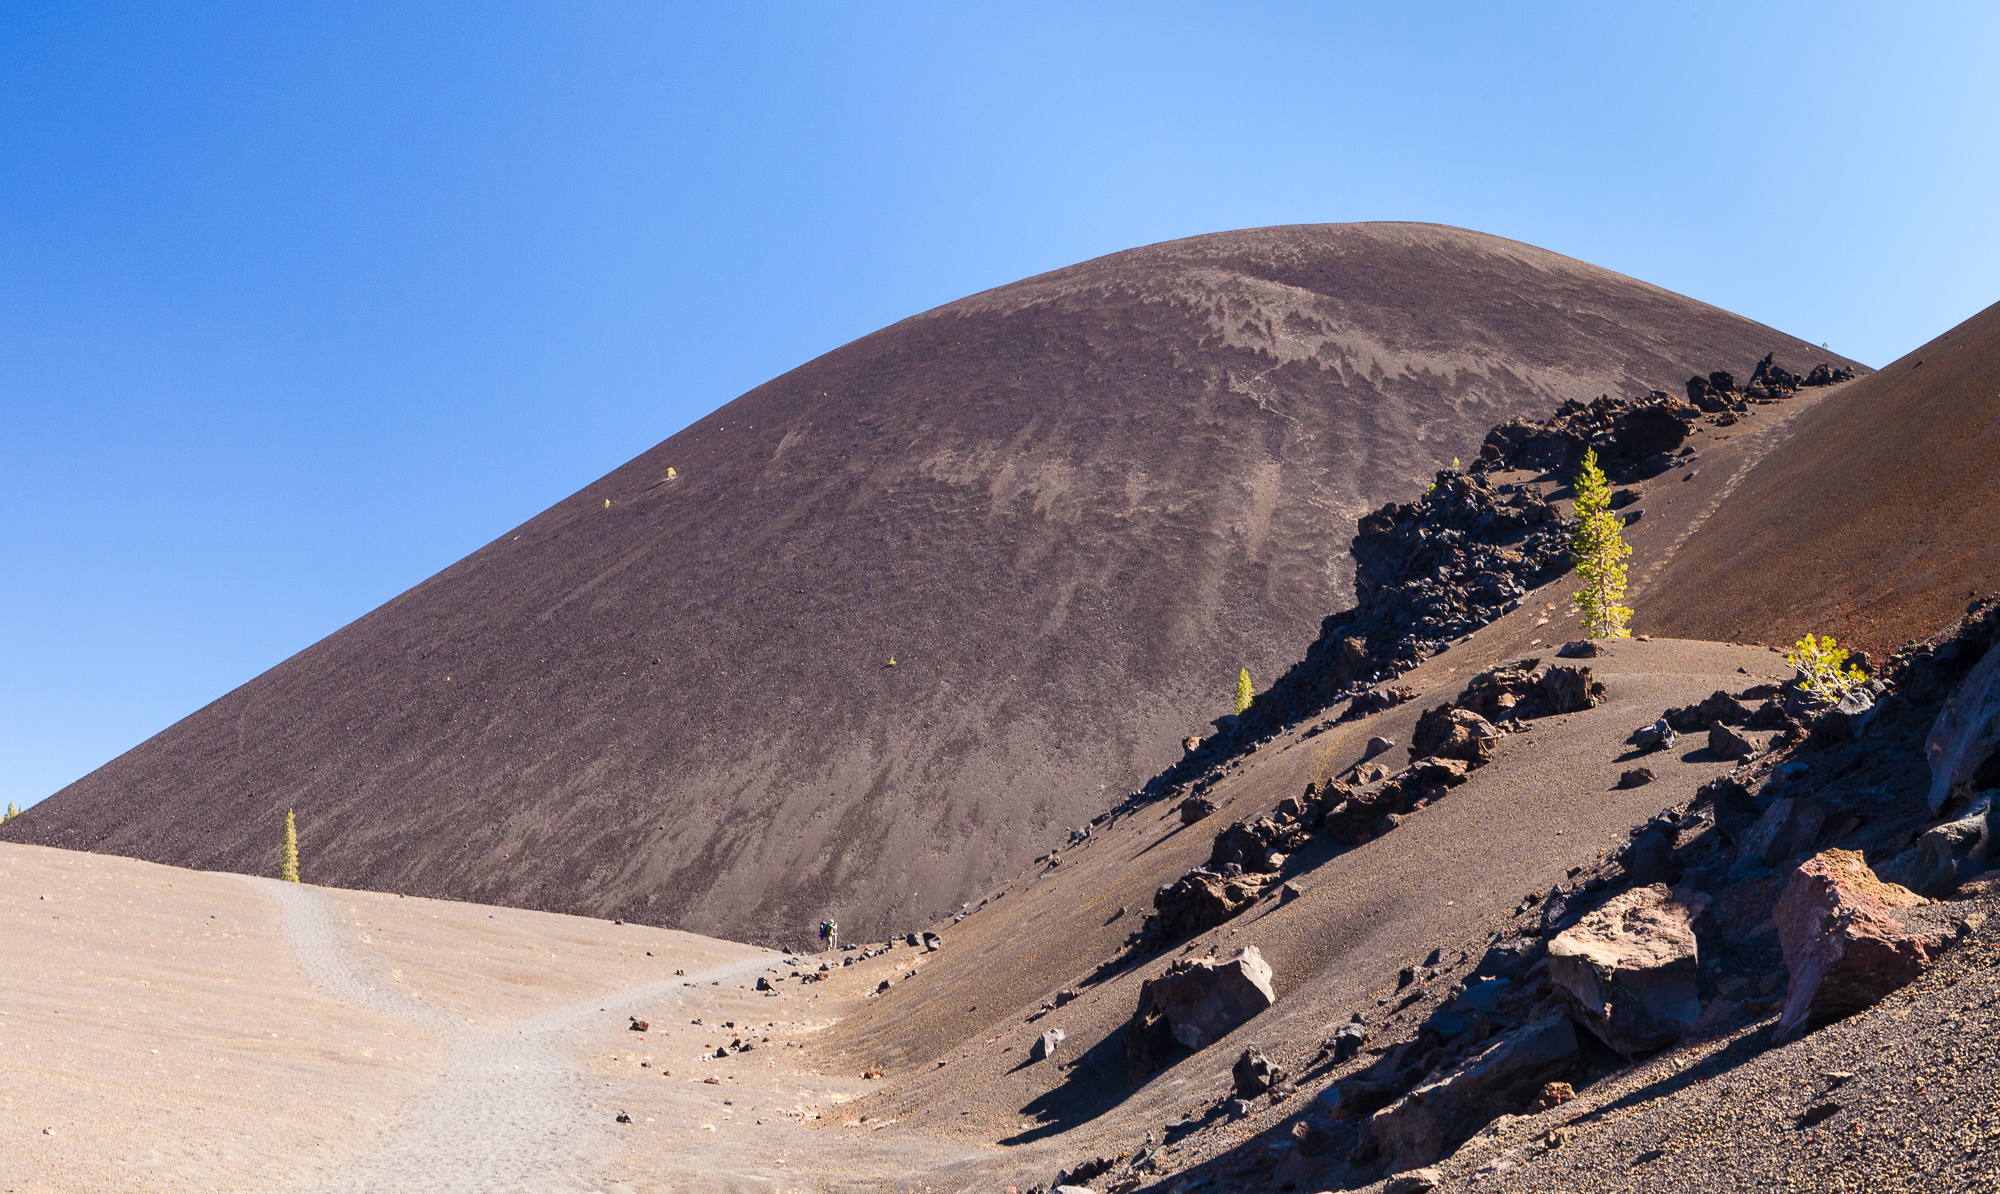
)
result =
(288, 856)
(1823, 668)
(1244, 693)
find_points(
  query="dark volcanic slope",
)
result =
(1069, 509)
(1874, 520)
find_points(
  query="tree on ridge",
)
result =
(1598, 550)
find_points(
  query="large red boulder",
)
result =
(1844, 946)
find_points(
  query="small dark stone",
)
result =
(1347, 1041)
(1194, 808)
(1638, 777)
(1726, 743)
(1255, 1074)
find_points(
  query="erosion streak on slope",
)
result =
(1755, 443)
(1873, 519)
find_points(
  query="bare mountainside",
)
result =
(1068, 510)
(1872, 520)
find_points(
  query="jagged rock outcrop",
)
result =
(1449, 732)
(1632, 437)
(1245, 856)
(1523, 689)
(1963, 747)
(1367, 814)
(1194, 903)
(1255, 1074)
(1789, 828)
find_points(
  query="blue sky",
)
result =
(300, 303)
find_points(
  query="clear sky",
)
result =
(299, 303)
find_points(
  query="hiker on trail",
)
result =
(829, 934)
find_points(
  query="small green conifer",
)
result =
(288, 857)
(13, 810)
(1598, 551)
(1244, 693)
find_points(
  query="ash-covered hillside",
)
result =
(1068, 510)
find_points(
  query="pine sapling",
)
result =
(288, 857)
(1244, 693)
(1598, 550)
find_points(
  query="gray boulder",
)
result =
(1194, 1004)
(1950, 853)
(1438, 1116)
(1967, 731)
(1788, 828)
(1045, 1045)
(1629, 971)
(1449, 732)
(1347, 1041)
(1207, 1000)
(1658, 736)
(1849, 716)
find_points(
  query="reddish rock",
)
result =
(1555, 1094)
(1844, 947)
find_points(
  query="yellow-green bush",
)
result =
(1823, 668)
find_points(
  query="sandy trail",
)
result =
(511, 1113)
